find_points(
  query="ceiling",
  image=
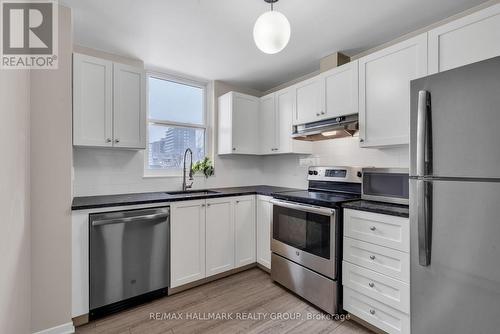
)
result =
(212, 39)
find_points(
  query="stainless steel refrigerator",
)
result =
(455, 200)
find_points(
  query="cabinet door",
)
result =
(264, 216)
(129, 111)
(225, 122)
(341, 90)
(267, 124)
(245, 128)
(92, 101)
(219, 236)
(309, 100)
(384, 91)
(187, 249)
(464, 41)
(284, 116)
(244, 223)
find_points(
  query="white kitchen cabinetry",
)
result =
(264, 221)
(219, 235)
(309, 100)
(238, 124)
(129, 107)
(109, 104)
(341, 90)
(245, 230)
(187, 242)
(268, 123)
(92, 101)
(384, 91)
(376, 269)
(276, 117)
(467, 40)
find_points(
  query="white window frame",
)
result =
(174, 172)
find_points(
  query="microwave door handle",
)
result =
(424, 135)
(424, 221)
(301, 207)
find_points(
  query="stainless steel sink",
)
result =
(192, 193)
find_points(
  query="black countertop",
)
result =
(378, 207)
(93, 202)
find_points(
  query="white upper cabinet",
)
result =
(245, 229)
(92, 101)
(109, 104)
(129, 107)
(268, 123)
(384, 91)
(238, 124)
(341, 90)
(464, 41)
(309, 100)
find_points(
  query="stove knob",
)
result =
(359, 174)
(310, 172)
(315, 172)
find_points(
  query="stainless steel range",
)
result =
(307, 234)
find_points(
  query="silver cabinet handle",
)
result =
(203, 205)
(234, 148)
(424, 154)
(372, 311)
(237, 202)
(424, 221)
(208, 204)
(373, 228)
(317, 114)
(117, 140)
(322, 112)
(108, 140)
(372, 257)
(371, 284)
(361, 140)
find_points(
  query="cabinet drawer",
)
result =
(390, 262)
(377, 286)
(379, 229)
(381, 316)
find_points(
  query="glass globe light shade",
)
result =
(271, 32)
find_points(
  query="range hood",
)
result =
(338, 127)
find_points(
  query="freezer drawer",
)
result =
(461, 283)
(377, 286)
(383, 230)
(390, 262)
(381, 316)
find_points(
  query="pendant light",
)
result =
(271, 31)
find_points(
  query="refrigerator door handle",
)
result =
(423, 133)
(424, 208)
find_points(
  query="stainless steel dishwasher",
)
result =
(129, 258)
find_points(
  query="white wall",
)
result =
(286, 171)
(15, 235)
(50, 178)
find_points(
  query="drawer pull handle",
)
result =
(373, 228)
(372, 311)
(372, 257)
(371, 284)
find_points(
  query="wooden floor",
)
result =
(250, 293)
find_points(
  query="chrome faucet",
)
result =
(186, 186)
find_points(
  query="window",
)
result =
(176, 121)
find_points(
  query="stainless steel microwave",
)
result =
(389, 185)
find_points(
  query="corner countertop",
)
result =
(378, 207)
(93, 202)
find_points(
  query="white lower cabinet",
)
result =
(264, 220)
(219, 239)
(187, 242)
(376, 269)
(245, 230)
(211, 236)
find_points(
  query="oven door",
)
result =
(305, 234)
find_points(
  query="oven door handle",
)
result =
(302, 207)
